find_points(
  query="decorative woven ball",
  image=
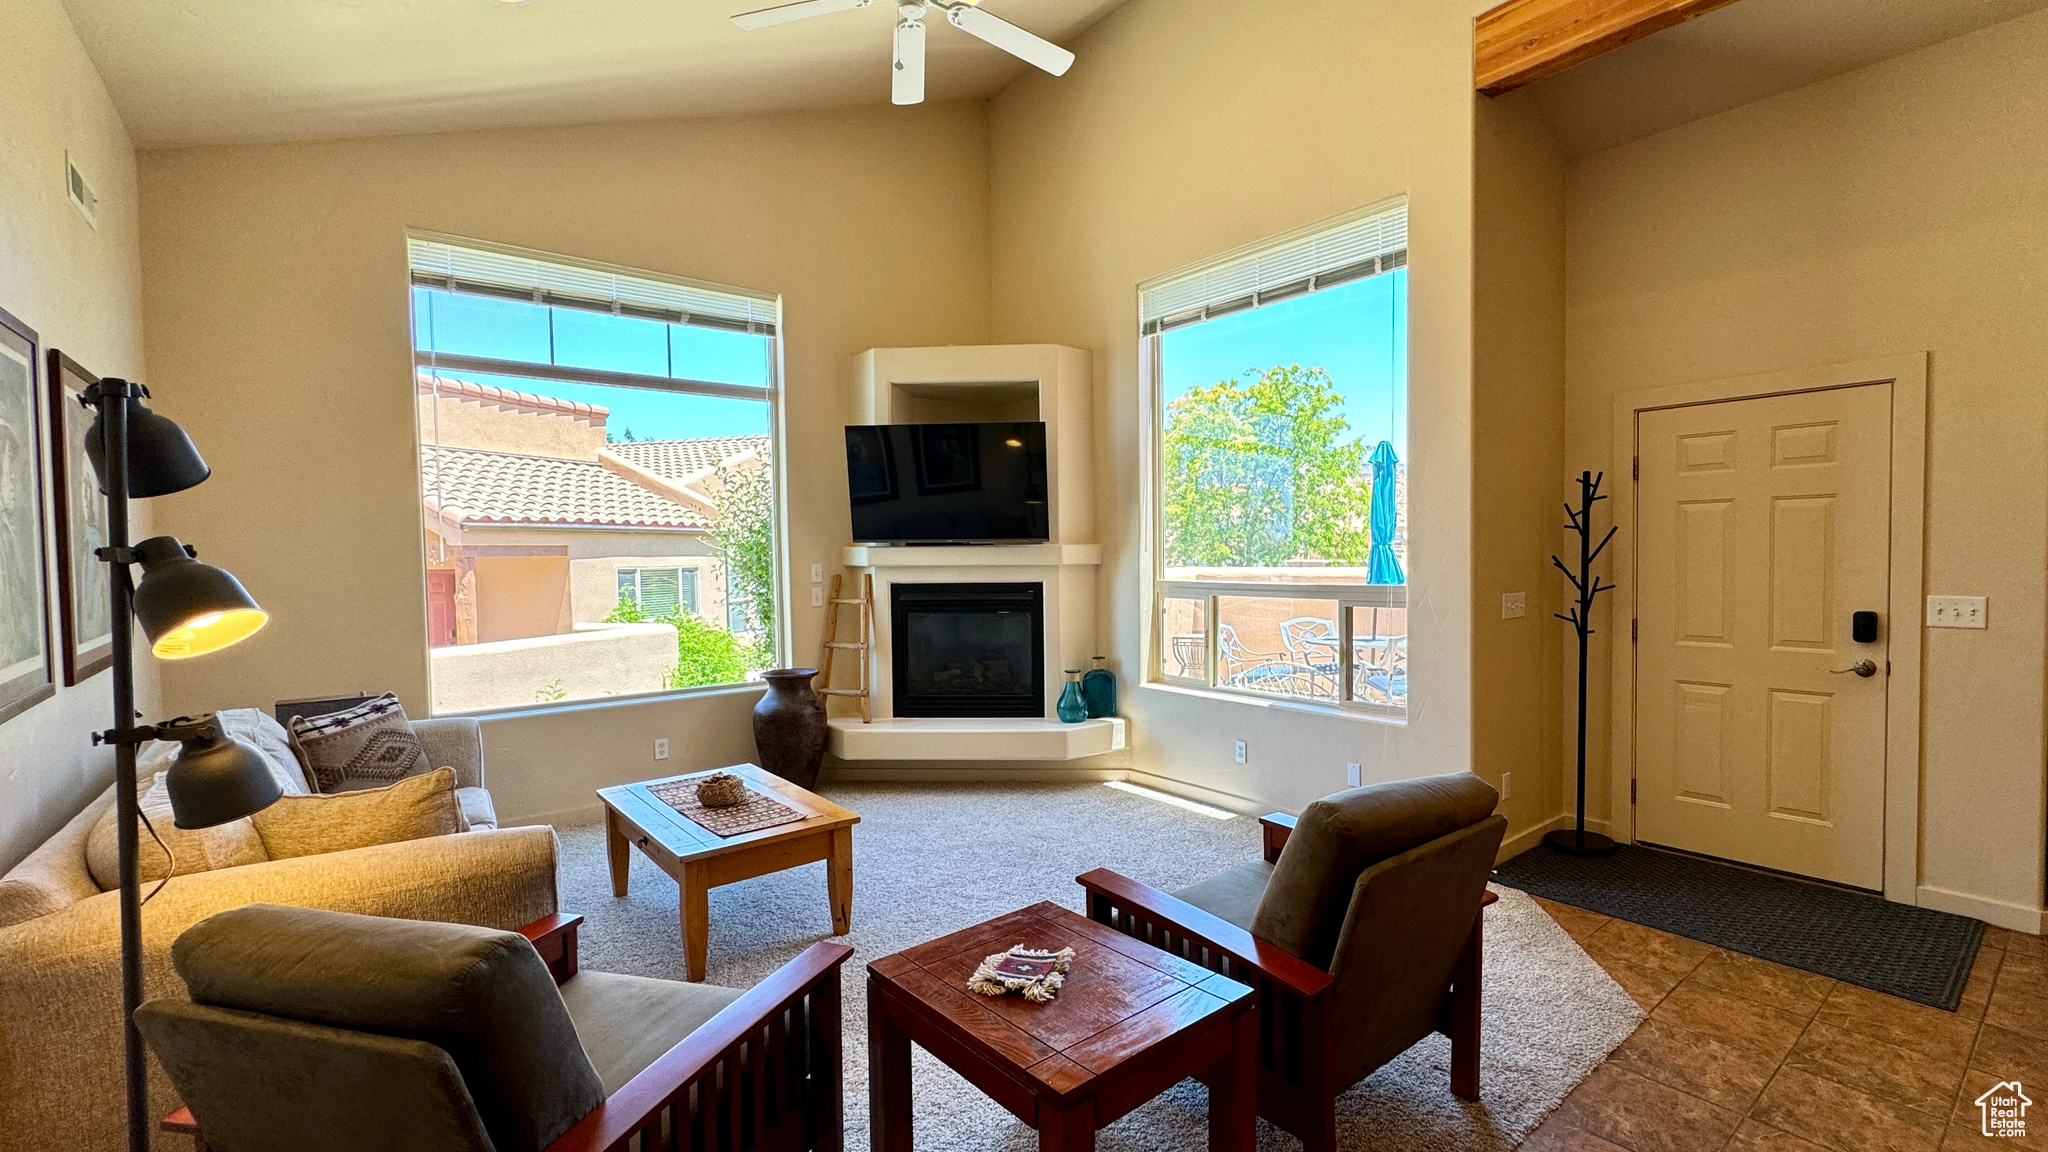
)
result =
(721, 791)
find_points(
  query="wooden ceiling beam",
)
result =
(1522, 41)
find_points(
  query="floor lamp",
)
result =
(184, 608)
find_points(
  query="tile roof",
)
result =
(428, 383)
(677, 459)
(474, 487)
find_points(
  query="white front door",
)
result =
(1762, 526)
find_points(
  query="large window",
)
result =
(597, 477)
(1280, 409)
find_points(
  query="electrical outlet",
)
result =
(1351, 776)
(661, 748)
(1241, 758)
(1507, 786)
(1955, 612)
(1514, 605)
(817, 573)
(817, 597)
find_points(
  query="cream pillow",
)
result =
(195, 850)
(411, 809)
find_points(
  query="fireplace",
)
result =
(968, 649)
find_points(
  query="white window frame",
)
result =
(1344, 596)
(658, 294)
(685, 577)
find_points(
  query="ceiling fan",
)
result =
(908, 85)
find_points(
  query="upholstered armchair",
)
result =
(1360, 930)
(317, 1031)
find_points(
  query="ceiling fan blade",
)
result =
(1010, 38)
(784, 13)
(908, 84)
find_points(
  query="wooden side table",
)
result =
(700, 860)
(1130, 1022)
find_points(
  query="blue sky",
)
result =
(511, 330)
(1356, 331)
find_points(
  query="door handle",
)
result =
(1863, 668)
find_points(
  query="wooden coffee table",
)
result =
(699, 859)
(1130, 1022)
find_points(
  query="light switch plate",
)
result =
(817, 573)
(1956, 612)
(1513, 605)
(817, 597)
(1351, 775)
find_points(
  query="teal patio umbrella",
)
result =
(1382, 566)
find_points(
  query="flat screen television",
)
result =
(947, 483)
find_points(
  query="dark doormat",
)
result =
(1915, 953)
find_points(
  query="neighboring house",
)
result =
(536, 524)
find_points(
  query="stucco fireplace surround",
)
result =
(1045, 382)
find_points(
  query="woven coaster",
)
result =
(750, 815)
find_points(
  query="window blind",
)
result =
(1365, 243)
(487, 270)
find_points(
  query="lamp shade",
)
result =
(161, 458)
(215, 778)
(187, 608)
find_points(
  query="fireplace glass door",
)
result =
(968, 649)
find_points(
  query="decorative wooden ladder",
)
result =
(865, 645)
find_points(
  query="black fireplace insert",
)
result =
(968, 649)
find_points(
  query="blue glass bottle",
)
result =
(1098, 690)
(1070, 709)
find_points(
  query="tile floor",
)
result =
(1749, 1056)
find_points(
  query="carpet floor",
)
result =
(929, 859)
(1914, 953)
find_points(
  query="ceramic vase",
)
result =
(789, 726)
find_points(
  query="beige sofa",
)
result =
(60, 942)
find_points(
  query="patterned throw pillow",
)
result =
(368, 746)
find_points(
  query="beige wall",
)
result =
(521, 596)
(459, 422)
(1900, 209)
(1191, 127)
(80, 289)
(276, 296)
(1518, 460)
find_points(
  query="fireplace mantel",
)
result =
(972, 556)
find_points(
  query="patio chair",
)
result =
(1191, 656)
(1361, 931)
(318, 1031)
(1240, 667)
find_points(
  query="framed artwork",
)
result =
(948, 458)
(870, 465)
(25, 666)
(85, 631)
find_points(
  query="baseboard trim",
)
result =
(1517, 843)
(1215, 798)
(846, 773)
(581, 814)
(2018, 917)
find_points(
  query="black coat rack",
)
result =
(1577, 841)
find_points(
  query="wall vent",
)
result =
(80, 193)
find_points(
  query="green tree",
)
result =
(745, 536)
(1260, 473)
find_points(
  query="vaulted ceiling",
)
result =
(1747, 51)
(199, 71)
